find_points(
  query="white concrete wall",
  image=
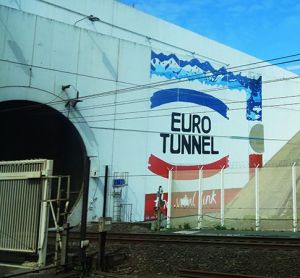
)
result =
(42, 49)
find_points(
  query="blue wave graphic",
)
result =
(186, 95)
(170, 66)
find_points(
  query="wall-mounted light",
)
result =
(72, 102)
(64, 87)
(93, 18)
(90, 18)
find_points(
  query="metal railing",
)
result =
(256, 199)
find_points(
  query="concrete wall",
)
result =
(43, 48)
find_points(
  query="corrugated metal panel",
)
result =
(21, 188)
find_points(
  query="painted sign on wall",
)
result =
(186, 203)
(191, 134)
(172, 67)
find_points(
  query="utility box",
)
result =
(105, 224)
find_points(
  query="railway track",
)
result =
(257, 241)
(233, 240)
(161, 241)
(207, 274)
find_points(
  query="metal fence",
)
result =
(23, 210)
(247, 199)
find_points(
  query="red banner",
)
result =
(189, 172)
(150, 204)
(186, 203)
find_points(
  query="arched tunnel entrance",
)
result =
(31, 130)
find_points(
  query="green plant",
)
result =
(186, 226)
(220, 227)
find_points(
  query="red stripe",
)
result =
(190, 172)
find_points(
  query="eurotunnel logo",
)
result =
(190, 134)
(193, 132)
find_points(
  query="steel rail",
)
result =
(204, 274)
(208, 240)
(243, 241)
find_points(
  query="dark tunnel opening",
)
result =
(30, 130)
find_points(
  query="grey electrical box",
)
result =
(105, 224)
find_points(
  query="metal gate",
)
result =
(24, 210)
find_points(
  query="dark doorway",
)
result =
(30, 130)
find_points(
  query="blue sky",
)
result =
(265, 29)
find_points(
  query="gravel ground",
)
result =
(164, 259)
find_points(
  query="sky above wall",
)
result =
(265, 29)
